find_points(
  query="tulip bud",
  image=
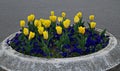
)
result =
(36, 23)
(63, 14)
(52, 13)
(31, 35)
(66, 23)
(59, 30)
(40, 30)
(91, 17)
(92, 24)
(45, 35)
(31, 17)
(53, 18)
(47, 23)
(25, 31)
(79, 14)
(22, 23)
(76, 19)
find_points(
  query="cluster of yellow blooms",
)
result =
(45, 23)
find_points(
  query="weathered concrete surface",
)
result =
(99, 61)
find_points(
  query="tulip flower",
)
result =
(52, 13)
(81, 29)
(79, 14)
(60, 19)
(31, 17)
(59, 30)
(66, 23)
(39, 23)
(31, 35)
(36, 23)
(22, 23)
(76, 19)
(53, 18)
(92, 24)
(47, 23)
(41, 20)
(45, 35)
(91, 17)
(25, 31)
(40, 30)
(63, 14)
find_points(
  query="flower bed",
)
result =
(57, 37)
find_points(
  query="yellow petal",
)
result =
(92, 24)
(59, 29)
(22, 23)
(40, 30)
(45, 35)
(47, 23)
(60, 19)
(81, 29)
(36, 23)
(63, 14)
(31, 17)
(79, 14)
(76, 19)
(53, 18)
(52, 13)
(91, 17)
(66, 23)
(25, 31)
(31, 35)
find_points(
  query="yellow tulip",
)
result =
(47, 23)
(45, 35)
(53, 18)
(39, 23)
(59, 30)
(91, 17)
(41, 20)
(76, 19)
(22, 23)
(52, 13)
(25, 31)
(40, 30)
(79, 14)
(63, 14)
(81, 29)
(31, 17)
(92, 24)
(66, 23)
(60, 19)
(31, 35)
(36, 23)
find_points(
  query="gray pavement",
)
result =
(107, 12)
(11, 11)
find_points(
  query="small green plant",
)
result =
(56, 38)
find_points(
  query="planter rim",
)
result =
(109, 47)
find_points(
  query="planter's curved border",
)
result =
(98, 61)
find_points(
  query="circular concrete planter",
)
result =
(102, 60)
